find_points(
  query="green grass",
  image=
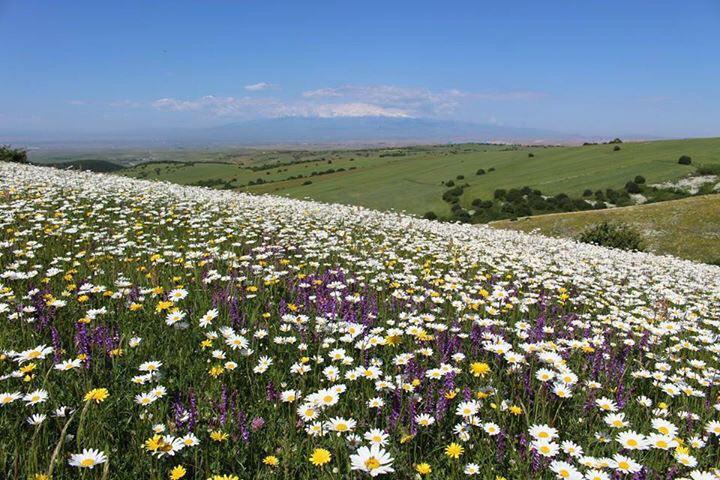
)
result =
(688, 228)
(413, 181)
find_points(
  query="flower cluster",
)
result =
(152, 330)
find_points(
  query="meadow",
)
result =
(687, 228)
(151, 330)
(414, 179)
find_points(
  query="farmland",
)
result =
(414, 179)
(151, 330)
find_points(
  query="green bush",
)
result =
(685, 160)
(481, 171)
(15, 155)
(430, 216)
(713, 169)
(616, 148)
(639, 179)
(632, 187)
(613, 235)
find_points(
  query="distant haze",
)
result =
(309, 131)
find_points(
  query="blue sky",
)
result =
(595, 67)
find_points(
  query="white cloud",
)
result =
(418, 101)
(253, 107)
(345, 101)
(356, 110)
(256, 87)
(125, 104)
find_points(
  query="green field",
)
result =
(687, 228)
(411, 179)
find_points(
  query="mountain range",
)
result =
(298, 130)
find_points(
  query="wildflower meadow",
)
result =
(154, 331)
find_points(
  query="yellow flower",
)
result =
(218, 436)
(479, 369)
(271, 460)
(41, 476)
(28, 368)
(423, 468)
(177, 472)
(454, 450)
(97, 394)
(320, 457)
(157, 444)
(162, 305)
(224, 477)
(515, 410)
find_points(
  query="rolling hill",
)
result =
(414, 179)
(688, 228)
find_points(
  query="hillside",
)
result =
(149, 329)
(414, 179)
(687, 228)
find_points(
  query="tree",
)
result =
(15, 155)
(632, 187)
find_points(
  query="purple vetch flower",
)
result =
(82, 342)
(56, 343)
(192, 400)
(271, 393)
(223, 405)
(500, 447)
(242, 425)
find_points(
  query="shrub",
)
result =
(587, 192)
(481, 171)
(531, 155)
(15, 155)
(632, 187)
(708, 169)
(616, 148)
(450, 183)
(616, 140)
(684, 160)
(430, 216)
(500, 193)
(613, 235)
(307, 182)
(639, 179)
(460, 177)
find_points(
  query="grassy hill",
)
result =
(412, 178)
(254, 331)
(688, 228)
